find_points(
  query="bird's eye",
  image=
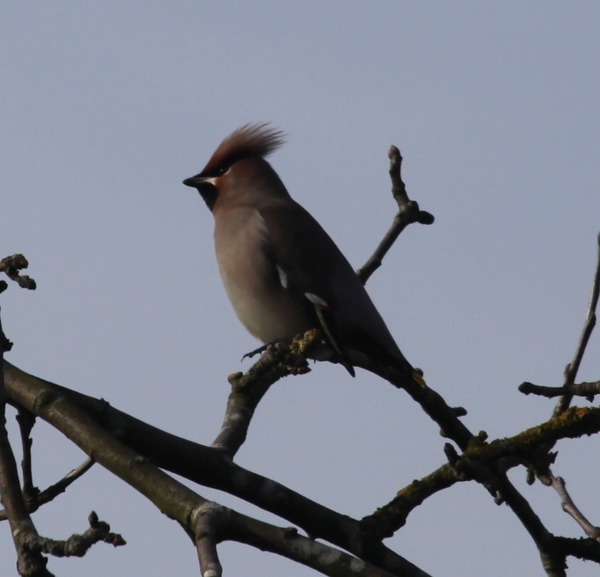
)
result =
(221, 170)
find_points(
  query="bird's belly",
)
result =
(265, 309)
(263, 305)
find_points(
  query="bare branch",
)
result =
(40, 498)
(142, 449)
(559, 485)
(585, 389)
(408, 213)
(29, 563)
(11, 266)
(278, 360)
(322, 558)
(386, 520)
(207, 522)
(588, 327)
(75, 545)
(61, 486)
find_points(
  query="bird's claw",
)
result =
(259, 351)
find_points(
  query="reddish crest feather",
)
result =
(249, 140)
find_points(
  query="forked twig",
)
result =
(408, 212)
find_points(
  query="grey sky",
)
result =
(108, 106)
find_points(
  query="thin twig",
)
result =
(588, 327)
(584, 389)
(37, 500)
(76, 545)
(408, 213)
(569, 507)
(61, 486)
(11, 266)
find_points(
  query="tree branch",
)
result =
(408, 213)
(569, 507)
(247, 389)
(75, 545)
(386, 520)
(12, 266)
(29, 563)
(586, 389)
(40, 498)
(588, 327)
(141, 449)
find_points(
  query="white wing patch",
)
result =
(283, 277)
(316, 300)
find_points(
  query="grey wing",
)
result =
(306, 261)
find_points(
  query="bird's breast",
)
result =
(253, 285)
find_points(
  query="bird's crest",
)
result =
(249, 140)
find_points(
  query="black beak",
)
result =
(194, 181)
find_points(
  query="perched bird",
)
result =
(282, 272)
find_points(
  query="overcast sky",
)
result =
(107, 106)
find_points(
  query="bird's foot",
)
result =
(259, 351)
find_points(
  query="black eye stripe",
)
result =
(221, 169)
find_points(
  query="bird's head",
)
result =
(238, 166)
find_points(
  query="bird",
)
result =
(282, 272)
